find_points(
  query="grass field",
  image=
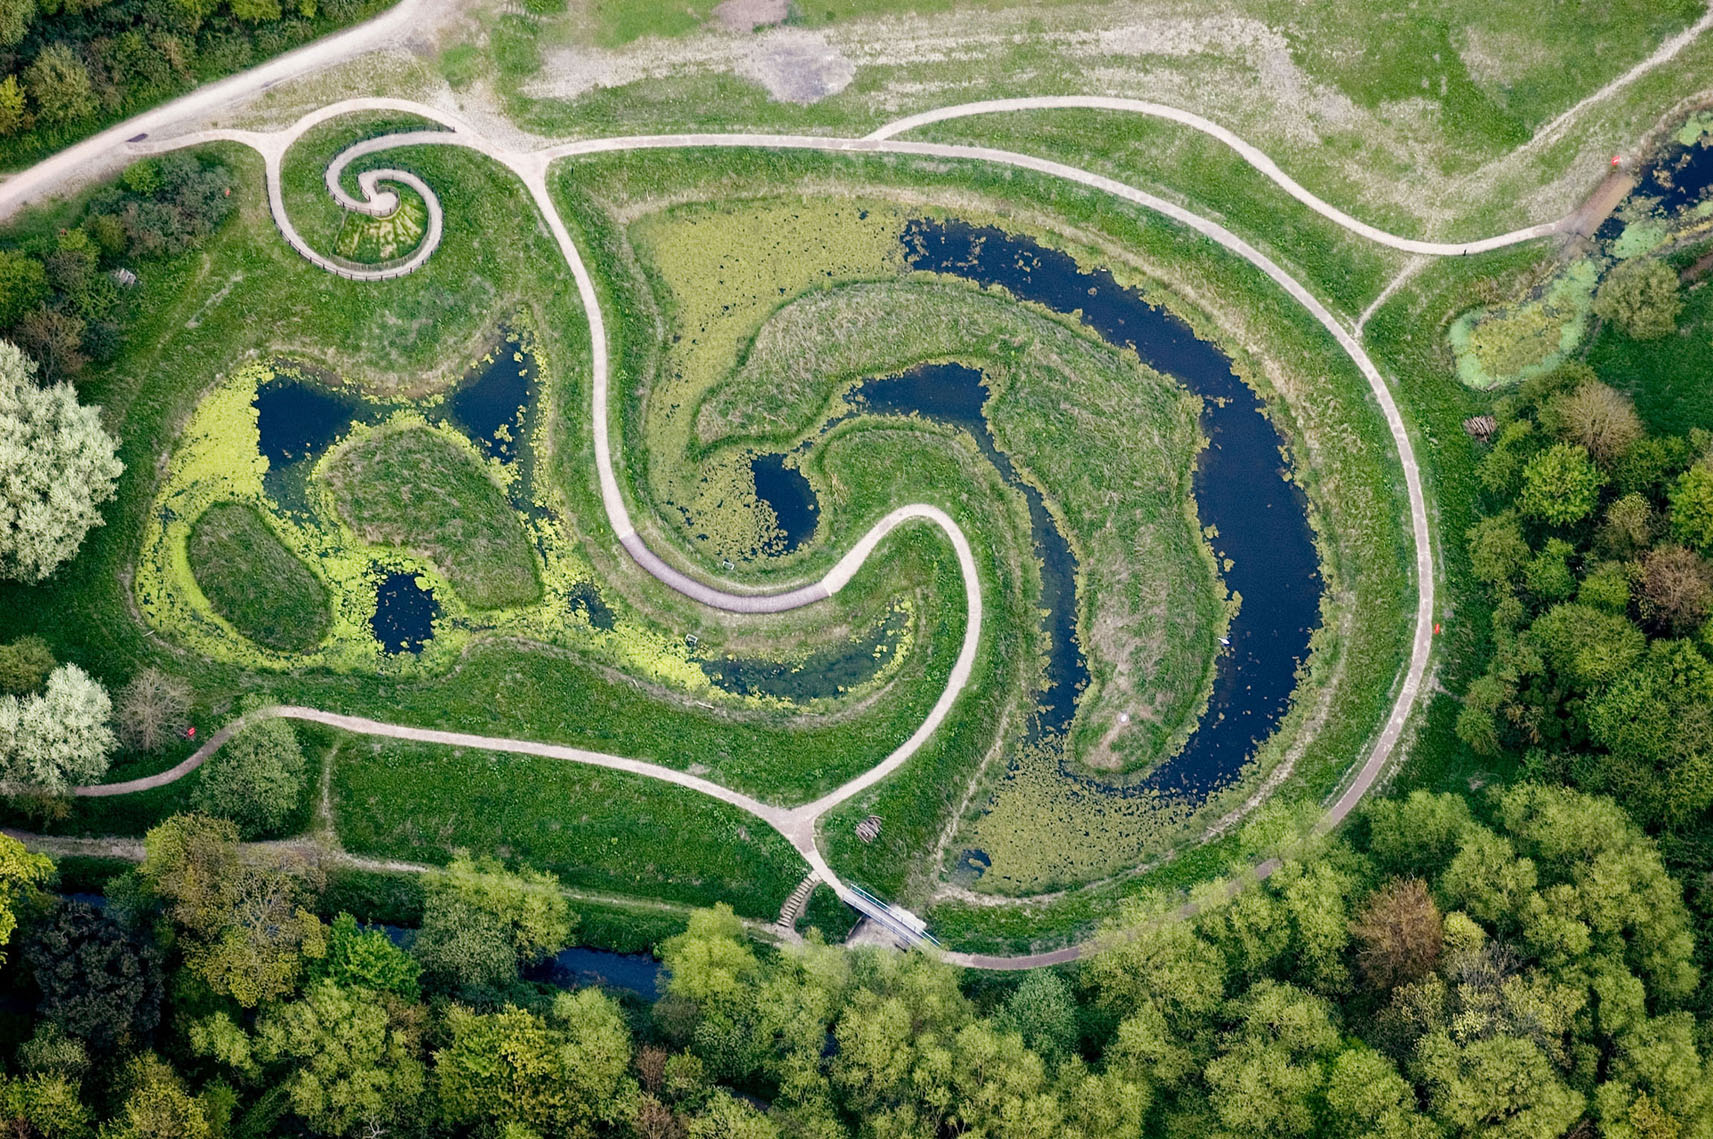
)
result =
(252, 580)
(1669, 378)
(413, 487)
(595, 829)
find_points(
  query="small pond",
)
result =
(585, 598)
(404, 613)
(297, 419)
(493, 406)
(1677, 179)
(822, 675)
(1241, 488)
(787, 491)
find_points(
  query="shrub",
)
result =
(1560, 485)
(24, 665)
(152, 709)
(59, 82)
(1641, 298)
(256, 779)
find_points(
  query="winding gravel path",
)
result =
(799, 824)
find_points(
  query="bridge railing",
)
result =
(903, 924)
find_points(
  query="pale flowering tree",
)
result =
(57, 466)
(53, 740)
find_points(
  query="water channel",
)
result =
(1242, 487)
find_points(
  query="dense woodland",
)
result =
(1595, 546)
(70, 67)
(1527, 972)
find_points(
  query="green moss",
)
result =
(1496, 347)
(252, 580)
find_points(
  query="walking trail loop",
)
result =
(799, 824)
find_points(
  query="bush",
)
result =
(24, 665)
(256, 780)
(152, 709)
(1641, 298)
(59, 82)
(1560, 485)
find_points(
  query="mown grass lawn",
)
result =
(596, 829)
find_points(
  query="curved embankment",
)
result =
(798, 824)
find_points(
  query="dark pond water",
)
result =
(584, 598)
(787, 490)
(579, 968)
(404, 613)
(492, 408)
(821, 675)
(1241, 488)
(1679, 178)
(575, 968)
(954, 394)
(297, 421)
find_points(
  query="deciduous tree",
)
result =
(152, 709)
(59, 83)
(53, 740)
(1692, 507)
(1398, 934)
(1599, 418)
(255, 779)
(1560, 485)
(246, 930)
(100, 982)
(57, 466)
(481, 922)
(347, 1069)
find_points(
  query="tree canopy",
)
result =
(57, 466)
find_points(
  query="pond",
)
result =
(297, 420)
(404, 613)
(493, 407)
(1241, 485)
(821, 675)
(787, 491)
(955, 395)
(1678, 178)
